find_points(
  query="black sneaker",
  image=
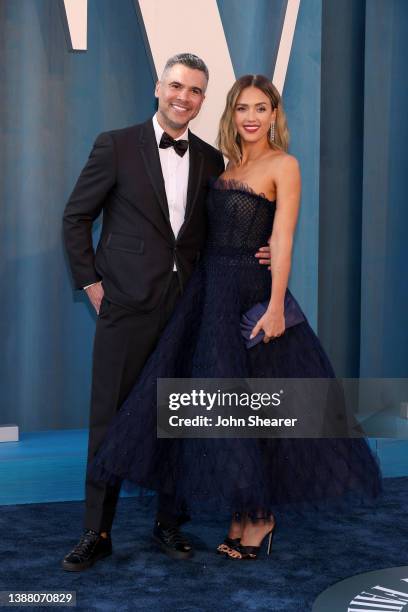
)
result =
(172, 542)
(90, 548)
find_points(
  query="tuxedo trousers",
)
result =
(123, 342)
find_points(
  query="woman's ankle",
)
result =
(236, 526)
(255, 531)
(235, 531)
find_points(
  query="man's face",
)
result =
(180, 94)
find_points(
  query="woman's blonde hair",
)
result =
(228, 139)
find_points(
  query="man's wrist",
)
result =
(90, 285)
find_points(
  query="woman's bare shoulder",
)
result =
(282, 158)
(281, 166)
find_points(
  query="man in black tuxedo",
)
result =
(150, 181)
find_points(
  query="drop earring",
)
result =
(272, 132)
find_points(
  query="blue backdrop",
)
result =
(384, 269)
(344, 98)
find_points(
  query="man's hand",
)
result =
(264, 256)
(95, 293)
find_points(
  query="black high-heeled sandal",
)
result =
(250, 553)
(230, 543)
(227, 545)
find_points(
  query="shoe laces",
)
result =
(86, 543)
(176, 536)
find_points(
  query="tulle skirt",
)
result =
(203, 340)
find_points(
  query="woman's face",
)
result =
(253, 114)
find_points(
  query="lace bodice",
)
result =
(240, 220)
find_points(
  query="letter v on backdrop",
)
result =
(199, 30)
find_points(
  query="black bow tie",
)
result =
(180, 146)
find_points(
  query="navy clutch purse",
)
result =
(292, 312)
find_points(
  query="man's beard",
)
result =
(173, 124)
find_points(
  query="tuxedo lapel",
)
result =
(151, 159)
(194, 176)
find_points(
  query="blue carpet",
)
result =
(309, 554)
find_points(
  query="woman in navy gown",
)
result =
(257, 198)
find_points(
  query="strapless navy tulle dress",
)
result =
(203, 340)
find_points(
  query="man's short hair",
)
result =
(186, 59)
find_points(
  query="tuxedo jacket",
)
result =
(137, 247)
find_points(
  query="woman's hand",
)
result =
(272, 323)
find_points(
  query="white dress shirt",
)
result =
(175, 173)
